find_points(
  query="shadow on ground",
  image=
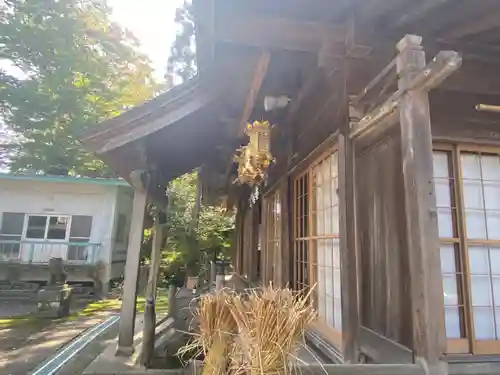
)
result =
(26, 340)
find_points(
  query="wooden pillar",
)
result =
(254, 257)
(149, 309)
(238, 225)
(348, 249)
(128, 311)
(264, 248)
(420, 209)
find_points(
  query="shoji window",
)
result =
(469, 227)
(325, 238)
(316, 239)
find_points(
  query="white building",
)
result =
(84, 221)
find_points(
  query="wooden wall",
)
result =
(455, 118)
(384, 295)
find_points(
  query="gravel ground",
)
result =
(11, 308)
(24, 346)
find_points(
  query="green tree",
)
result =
(182, 61)
(185, 240)
(78, 69)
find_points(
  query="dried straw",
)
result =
(270, 325)
(216, 328)
(251, 334)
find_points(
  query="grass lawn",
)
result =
(91, 309)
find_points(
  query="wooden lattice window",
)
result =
(467, 181)
(316, 240)
(272, 258)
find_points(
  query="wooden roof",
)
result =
(180, 129)
(247, 49)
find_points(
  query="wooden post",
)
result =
(238, 261)
(286, 220)
(213, 273)
(172, 301)
(420, 207)
(128, 311)
(149, 308)
(348, 249)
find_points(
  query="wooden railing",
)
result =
(40, 252)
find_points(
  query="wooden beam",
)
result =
(381, 349)
(361, 369)
(278, 33)
(376, 81)
(432, 75)
(384, 116)
(258, 75)
(422, 239)
(444, 64)
(468, 367)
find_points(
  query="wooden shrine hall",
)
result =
(383, 190)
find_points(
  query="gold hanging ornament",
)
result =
(254, 158)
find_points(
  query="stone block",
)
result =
(54, 301)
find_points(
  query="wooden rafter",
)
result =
(278, 33)
(475, 26)
(418, 11)
(259, 72)
(257, 78)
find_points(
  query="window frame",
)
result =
(15, 248)
(46, 232)
(79, 249)
(468, 344)
(302, 187)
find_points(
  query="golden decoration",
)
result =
(254, 158)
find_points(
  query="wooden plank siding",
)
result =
(384, 292)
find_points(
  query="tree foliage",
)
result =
(184, 239)
(182, 61)
(78, 68)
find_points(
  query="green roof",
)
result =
(64, 179)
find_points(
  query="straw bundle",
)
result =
(250, 334)
(216, 328)
(269, 325)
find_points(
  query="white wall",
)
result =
(53, 198)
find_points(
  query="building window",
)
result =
(10, 232)
(467, 182)
(325, 216)
(81, 227)
(272, 259)
(47, 227)
(316, 240)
